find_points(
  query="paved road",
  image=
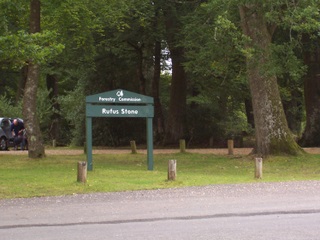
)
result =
(285, 211)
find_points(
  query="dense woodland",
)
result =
(217, 69)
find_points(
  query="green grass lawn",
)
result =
(57, 175)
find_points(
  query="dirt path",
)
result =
(217, 151)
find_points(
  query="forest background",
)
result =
(242, 69)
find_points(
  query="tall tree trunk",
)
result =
(312, 94)
(21, 83)
(175, 125)
(249, 112)
(158, 120)
(272, 133)
(139, 67)
(158, 114)
(176, 119)
(293, 110)
(52, 86)
(36, 148)
(140, 75)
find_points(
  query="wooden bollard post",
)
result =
(211, 142)
(182, 144)
(133, 147)
(172, 170)
(258, 168)
(54, 143)
(82, 172)
(230, 147)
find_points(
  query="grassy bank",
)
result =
(56, 175)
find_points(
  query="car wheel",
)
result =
(3, 144)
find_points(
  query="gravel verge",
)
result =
(217, 151)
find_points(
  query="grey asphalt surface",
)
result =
(287, 210)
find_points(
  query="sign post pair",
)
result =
(119, 103)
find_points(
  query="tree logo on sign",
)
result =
(120, 93)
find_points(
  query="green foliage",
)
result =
(93, 46)
(215, 63)
(13, 16)
(216, 49)
(73, 110)
(8, 109)
(235, 125)
(220, 121)
(44, 111)
(17, 49)
(298, 16)
(207, 40)
(286, 62)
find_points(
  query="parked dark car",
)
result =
(6, 138)
(5, 134)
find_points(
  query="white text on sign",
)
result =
(123, 111)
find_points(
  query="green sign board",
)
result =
(119, 103)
